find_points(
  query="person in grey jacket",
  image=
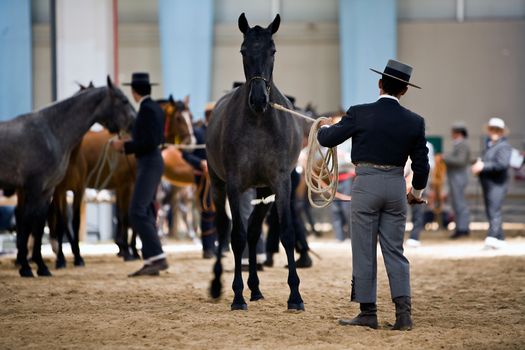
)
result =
(458, 163)
(492, 169)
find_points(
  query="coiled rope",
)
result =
(322, 173)
(106, 157)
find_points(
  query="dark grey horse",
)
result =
(251, 145)
(34, 154)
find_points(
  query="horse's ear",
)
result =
(171, 99)
(274, 26)
(243, 23)
(110, 84)
(80, 86)
(186, 101)
(91, 84)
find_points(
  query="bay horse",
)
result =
(83, 163)
(35, 152)
(251, 145)
(84, 171)
(178, 130)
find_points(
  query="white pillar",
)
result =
(84, 44)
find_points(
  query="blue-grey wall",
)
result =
(186, 42)
(368, 38)
(15, 58)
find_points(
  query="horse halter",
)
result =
(266, 82)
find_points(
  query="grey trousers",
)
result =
(379, 211)
(458, 181)
(494, 195)
(142, 211)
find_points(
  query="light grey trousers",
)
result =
(458, 181)
(494, 194)
(379, 212)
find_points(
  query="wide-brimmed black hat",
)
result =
(397, 70)
(140, 79)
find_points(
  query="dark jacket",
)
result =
(148, 131)
(384, 133)
(496, 159)
(196, 156)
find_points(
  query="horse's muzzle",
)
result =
(258, 98)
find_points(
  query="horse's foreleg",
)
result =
(55, 231)
(254, 232)
(133, 244)
(77, 207)
(222, 224)
(22, 236)
(38, 222)
(238, 243)
(59, 228)
(295, 302)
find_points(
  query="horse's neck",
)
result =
(70, 119)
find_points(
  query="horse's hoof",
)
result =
(44, 272)
(137, 256)
(256, 297)
(79, 262)
(120, 254)
(241, 306)
(296, 307)
(26, 272)
(215, 289)
(60, 264)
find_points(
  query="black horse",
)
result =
(251, 145)
(35, 149)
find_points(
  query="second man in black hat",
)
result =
(147, 135)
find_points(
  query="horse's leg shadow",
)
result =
(282, 190)
(254, 231)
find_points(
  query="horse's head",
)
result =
(258, 50)
(177, 119)
(115, 112)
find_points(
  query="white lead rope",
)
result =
(181, 146)
(316, 174)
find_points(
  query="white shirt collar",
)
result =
(142, 100)
(389, 96)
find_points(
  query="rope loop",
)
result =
(322, 172)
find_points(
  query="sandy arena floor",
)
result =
(464, 298)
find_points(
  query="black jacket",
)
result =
(148, 131)
(385, 133)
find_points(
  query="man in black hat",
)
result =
(147, 135)
(384, 134)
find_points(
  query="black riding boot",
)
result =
(366, 318)
(403, 314)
